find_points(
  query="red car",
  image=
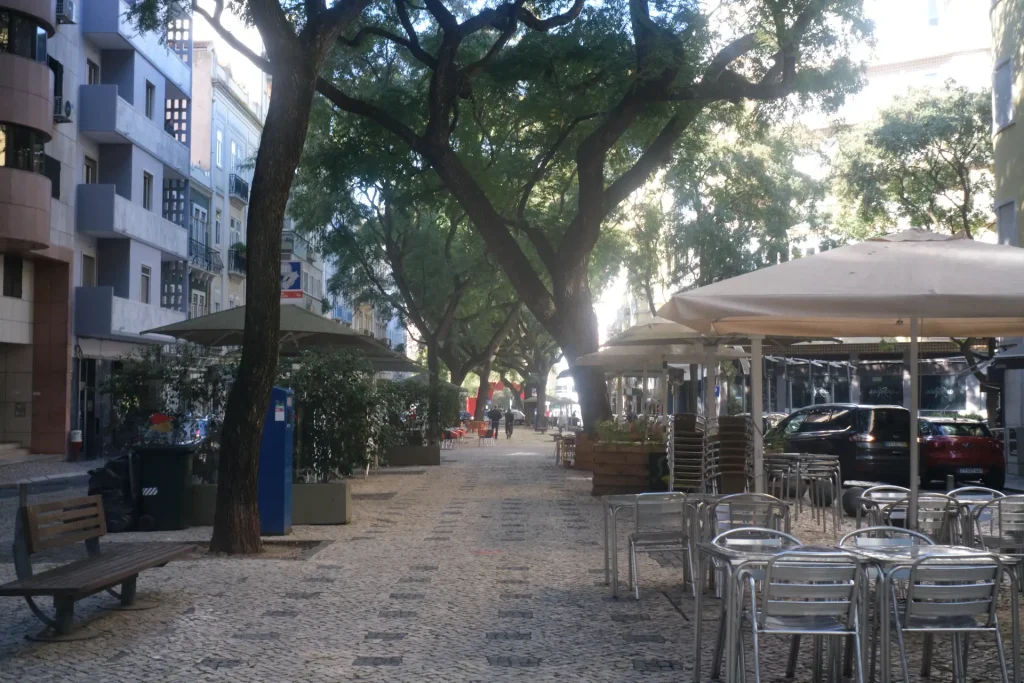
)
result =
(964, 448)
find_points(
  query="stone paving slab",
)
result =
(395, 606)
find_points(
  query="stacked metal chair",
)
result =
(729, 455)
(686, 453)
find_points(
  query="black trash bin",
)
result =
(166, 486)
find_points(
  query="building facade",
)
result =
(226, 135)
(296, 248)
(94, 186)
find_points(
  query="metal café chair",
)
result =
(815, 592)
(949, 597)
(873, 499)
(882, 536)
(747, 510)
(825, 482)
(971, 497)
(999, 527)
(938, 516)
(660, 526)
(742, 541)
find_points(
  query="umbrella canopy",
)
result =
(911, 284)
(955, 287)
(658, 330)
(627, 359)
(300, 330)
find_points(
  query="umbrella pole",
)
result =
(915, 445)
(756, 353)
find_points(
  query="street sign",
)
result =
(291, 280)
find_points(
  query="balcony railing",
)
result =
(236, 262)
(293, 244)
(202, 256)
(238, 188)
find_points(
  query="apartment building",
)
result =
(94, 186)
(228, 124)
(296, 248)
(1007, 73)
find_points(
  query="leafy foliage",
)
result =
(927, 161)
(176, 380)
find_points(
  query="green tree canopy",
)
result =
(927, 160)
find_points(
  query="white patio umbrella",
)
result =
(911, 284)
(639, 359)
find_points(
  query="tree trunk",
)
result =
(484, 392)
(236, 525)
(433, 394)
(577, 335)
(542, 397)
(458, 376)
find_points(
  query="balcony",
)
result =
(107, 118)
(203, 257)
(293, 244)
(236, 263)
(104, 23)
(101, 315)
(101, 212)
(238, 189)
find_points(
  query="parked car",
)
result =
(520, 416)
(872, 442)
(964, 448)
(465, 416)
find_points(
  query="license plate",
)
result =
(971, 470)
(895, 444)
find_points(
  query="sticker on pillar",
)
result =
(279, 412)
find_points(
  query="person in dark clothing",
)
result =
(510, 422)
(494, 414)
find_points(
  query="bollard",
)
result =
(950, 483)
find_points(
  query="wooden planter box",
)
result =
(413, 456)
(623, 467)
(584, 453)
(311, 503)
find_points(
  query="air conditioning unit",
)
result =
(62, 109)
(66, 13)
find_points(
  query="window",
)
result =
(92, 72)
(236, 231)
(1002, 96)
(147, 191)
(21, 148)
(14, 266)
(58, 77)
(90, 171)
(147, 275)
(933, 12)
(21, 35)
(88, 271)
(216, 227)
(1006, 224)
(220, 149)
(51, 169)
(305, 281)
(234, 156)
(150, 99)
(216, 306)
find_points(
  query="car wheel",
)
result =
(995, 479)
(850, 500)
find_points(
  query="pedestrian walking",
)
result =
(510, 423)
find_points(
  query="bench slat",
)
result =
(44, 516)
(48, 531)
(117, 562)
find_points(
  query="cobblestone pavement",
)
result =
(488, 568)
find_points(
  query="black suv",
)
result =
(872, 442)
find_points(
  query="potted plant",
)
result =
(624, 454)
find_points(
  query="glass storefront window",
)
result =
(21, 35)
(21, 148)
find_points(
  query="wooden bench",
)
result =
(63, 523)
